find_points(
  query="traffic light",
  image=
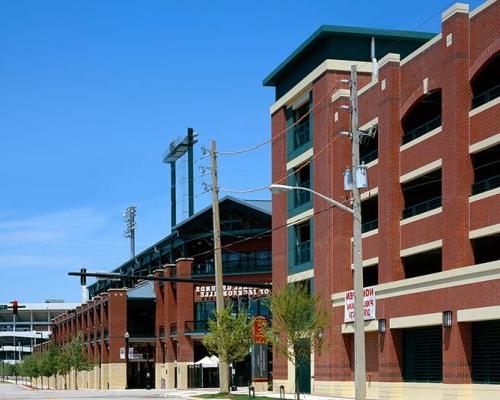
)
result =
(14, 307)
(83, 276)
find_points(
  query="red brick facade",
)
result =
(466, 44)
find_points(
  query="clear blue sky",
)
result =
(92, 92)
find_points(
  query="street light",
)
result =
(359, 323)
(276, 188)
(127, 337)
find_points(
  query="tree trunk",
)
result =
(76, 380)
(297, 392)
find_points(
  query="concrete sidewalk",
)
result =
(192, 393)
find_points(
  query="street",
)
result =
(18, 392)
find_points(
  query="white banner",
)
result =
(369, 305)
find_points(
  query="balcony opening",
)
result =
(369, 214)
(425, 263)
(486, 169)
(486, 83)
(370, 275)
(368, 149)
(422, 194)
(423, 117)
(486, 248)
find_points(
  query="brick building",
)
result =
(162, 323)
(431, 215)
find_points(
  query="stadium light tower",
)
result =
(129, 217)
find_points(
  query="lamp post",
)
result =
(127, 337)
(359, 326)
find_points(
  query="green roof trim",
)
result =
(331, 31)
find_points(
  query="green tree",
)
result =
(77, 356)
(299, 319)
(29, 367)
(229, 338)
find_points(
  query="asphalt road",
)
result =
(18, 392)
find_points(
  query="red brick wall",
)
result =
(449, 69)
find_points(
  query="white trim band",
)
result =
(416, 321)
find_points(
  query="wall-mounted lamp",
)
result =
(381, 326)
(447, 319)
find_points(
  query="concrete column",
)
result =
(185, 312)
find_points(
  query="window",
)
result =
(303, 243)
(485, 365)
(203, 311)
(299, 135)
(422, 354)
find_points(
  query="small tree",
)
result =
(229, 338)
(298, 321)
(77, 356)
(63, 365)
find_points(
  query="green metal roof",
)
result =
(349, 43)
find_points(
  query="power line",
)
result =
(272, 139)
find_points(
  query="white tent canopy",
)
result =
(208, 362)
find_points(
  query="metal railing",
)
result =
(197, 326)
(421, 129)
(303, 252)
(485, 96)
(234, 267)
(486, 184)
(369, 225)
(301, 134)
(370, 156)
(173, 329)
(422, 207)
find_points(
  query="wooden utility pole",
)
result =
(359, 321)
(223, 367)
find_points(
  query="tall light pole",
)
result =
(129, 217)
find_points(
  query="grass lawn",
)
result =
(233, 396)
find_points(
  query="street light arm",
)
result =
(328, 199)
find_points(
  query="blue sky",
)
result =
(92, 92)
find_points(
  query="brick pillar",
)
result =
(185, 312)
(457, 166)
(170, 313)
(279, 217)
(457, 352)
(117, 317)
(390, 204)
(105, 326)
(390, 193)
(160, 317)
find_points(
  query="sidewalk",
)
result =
(192, 393)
